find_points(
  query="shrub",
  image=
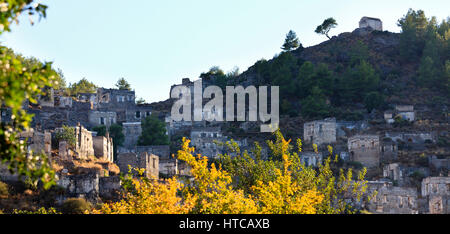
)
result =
(75, 206)
(66, 134)
(3, 189)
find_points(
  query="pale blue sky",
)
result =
(153, 44)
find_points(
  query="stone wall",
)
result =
(125, 159)
(143, 160)
(162, 151)
(150, 163)
(435, 186)
(109, 187)
(103, 148)
(132, 131)
(411, 137)
(310, 158)
(84, 146)
(84, 185)
(365, 149)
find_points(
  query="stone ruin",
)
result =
(203, 139)
(90, 186)
(87, 145)
(148, 162)
(437, 190)
(392, 200)
(365, 149)
(311, 158)
(320, 132)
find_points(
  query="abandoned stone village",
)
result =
(406, 165)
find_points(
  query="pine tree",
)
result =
(122, 84)
(153, 132)
(291, 42)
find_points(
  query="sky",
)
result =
(154, 44)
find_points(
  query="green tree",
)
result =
(373, 100)
(428, 72)
(66, 134)
(326, 26)
(217, 76)
(82, 86)
(140, 101)
(315, 105)
(153, 132)
(291, 42)
(413, 26)
(116, 132)
(101, 130)
(358, 81)
(19, 82)
(122, 84)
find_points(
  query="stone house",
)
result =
(320, 132)
(106, 118)
(365, 149)
(88, 97)
(369, 22)
(139, 112)
(119, 101)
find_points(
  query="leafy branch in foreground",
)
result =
(21, 81)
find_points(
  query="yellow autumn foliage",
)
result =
(292, 188)
(149, 198)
